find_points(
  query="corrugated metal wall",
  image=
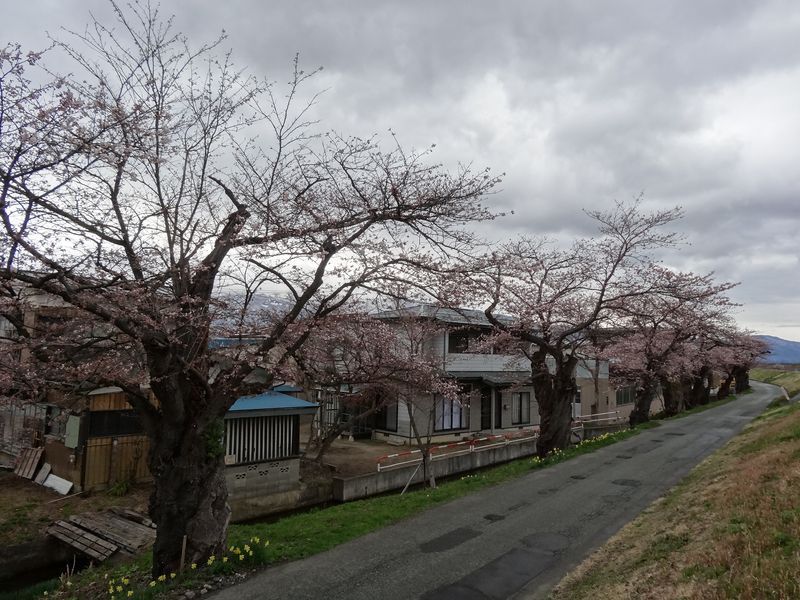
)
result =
(253, 439)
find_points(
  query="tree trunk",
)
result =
(686, 392)
(701, 387)
(189, 496)
(725, 386)
(742, 377)
(326, 442)
(673, 397)
(644, 398)
(424, 445)
(555, 393)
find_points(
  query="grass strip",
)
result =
(35, 591)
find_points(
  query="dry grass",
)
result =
(788, 379)
(730, 530)
(26, 508)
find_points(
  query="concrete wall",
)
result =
(353, 488)
(259, 488)
(593, 401)
(266, 488)
(269, 477)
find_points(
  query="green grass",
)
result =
(34, 591)
(664, 545)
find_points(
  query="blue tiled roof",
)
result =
(270, 401)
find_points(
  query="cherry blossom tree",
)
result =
(734, 358)
(554, 298)
(667, 335)
(131, 190)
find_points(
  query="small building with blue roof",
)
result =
(262, 452)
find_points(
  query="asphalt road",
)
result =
(517, 539)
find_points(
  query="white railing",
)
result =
(463, 447)
(599, 418)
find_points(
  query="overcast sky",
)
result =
(580, 103)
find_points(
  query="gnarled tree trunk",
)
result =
(701, 386)
(555, 393)
(725, 387)
(673, 397)
(742, 377)
(189, 497)
(686, 392)
(186, 460)
(644, 398)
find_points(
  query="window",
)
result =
(114, 422)
(577, 406)
(56, 423)
(386, 417)
(520, 408)
(459, 340)
(626, 395)
(452, 414)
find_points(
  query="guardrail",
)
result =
(598, 418)
(464, 447)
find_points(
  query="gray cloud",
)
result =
(578, 103)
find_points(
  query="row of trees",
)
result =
(604, 298)
(140, 189)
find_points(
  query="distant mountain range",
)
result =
(781, 351)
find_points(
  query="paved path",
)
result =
(517, 539)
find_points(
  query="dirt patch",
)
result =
(26, 508)
(359, 457)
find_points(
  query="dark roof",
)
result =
(271, 401)
(286, 388)
(462, 316)
(495, 377)
(231, 342)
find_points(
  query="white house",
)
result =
(501, 398)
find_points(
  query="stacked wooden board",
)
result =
(93, 546)
(28, 465)
(28, 462)
(99, 535)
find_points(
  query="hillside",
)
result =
(781, 351)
